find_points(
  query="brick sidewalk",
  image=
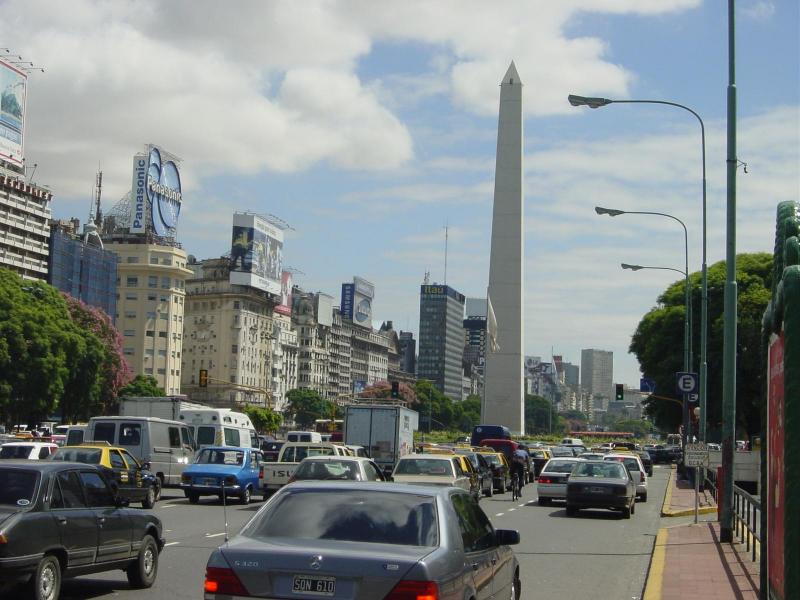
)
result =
(689, 560)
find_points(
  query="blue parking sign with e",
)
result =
(687, 382)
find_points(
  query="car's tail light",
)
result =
(641, 476)
(543, 479)
(414, 590)
(223, 581)
(261, 472)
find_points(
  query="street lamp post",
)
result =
(597, 103)
(687, 360)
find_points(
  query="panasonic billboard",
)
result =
(156, 195)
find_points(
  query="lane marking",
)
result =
(511, 509)
(171, 543)
(210, 535)
(167, 505)
(499, 514)
(654, 585)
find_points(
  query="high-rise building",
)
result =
(228, 332)
(340, 377)
(312, 317)
(572, 375)
(152, 288)
(597, 373)
(441, 338)
(408, 352)
(504, 400)
(24, 222)
(81, 266)
(284, 359)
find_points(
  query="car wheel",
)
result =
(501, 488)
(245, 497)
(46, 582)
(633, 507)
(193, 497)
(490, 491)
(158, 489)
(571, 511)
(142, 572)
(149, 500)
(626, 512)
(644, 497)
(544, 501)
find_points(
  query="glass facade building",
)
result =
(441, 338)
(84, 271)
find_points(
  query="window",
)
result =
(67, 492)
(131, 296)
(162, 334)
(152, 281)
(128, 351)
(151, 314)
(132, 259)
(165, 283)
(116, 459)
(97, 492)
(232, 437)
(130, 314)
(104, 432)
(129, 333)
(234, 349)
(174, 437)
(205, 436)
(236, 304)
(477, 532)
(132, 281)
(150, 333)
(132, 462)
(163, 316)
(162, 371)
(151, 297)
(153, 260)
(186, 437)
(130, 434)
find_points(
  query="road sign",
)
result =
(695, 455)
(647, 385)
(686, 382)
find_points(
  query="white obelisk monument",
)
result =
(504, 387)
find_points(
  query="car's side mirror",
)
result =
(506, 537)
(146, 465)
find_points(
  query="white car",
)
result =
(431, 469)
(28, 450)
(552, 482)
(635, 466)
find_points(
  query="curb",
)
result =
(668, 495)
(667, 512)
(655, 576)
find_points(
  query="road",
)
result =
(597, 554)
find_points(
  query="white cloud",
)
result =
(758, 10)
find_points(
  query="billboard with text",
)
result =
(256, 253)
(13, 93)
(285, 306)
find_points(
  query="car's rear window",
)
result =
(327, 469)
(17, 487)
(88, 456)
(220, 457)
(559, 466)
(349, 515)
(424, 466)
(492, 459)
(596, 469)
(561, 452)
(15, 451)
(631, 463)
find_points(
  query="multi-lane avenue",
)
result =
(597, 554)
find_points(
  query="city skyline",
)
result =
(426, 98)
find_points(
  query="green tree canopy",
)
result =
(306, 406)
(541, 416)
(142, 385)
(658, 343)
(265, 420)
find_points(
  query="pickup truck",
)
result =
(274, 475)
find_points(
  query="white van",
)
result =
(303, 436)
(167, 445)
(220, 427)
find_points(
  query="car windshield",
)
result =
(327, 469)
(349, 515)
(17, 487)
(598, 469)
(15, 451)
(89, 456)
(492, 459)
(559, 466)
(538, 454)
(630, 462)
(424, 466)
(561, 451)
(210, 456)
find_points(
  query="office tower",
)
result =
(441, 338)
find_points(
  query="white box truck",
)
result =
(386, 431)
(163, 407)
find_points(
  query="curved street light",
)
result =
(593, 102)
(687, 356)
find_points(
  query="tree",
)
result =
(265, 420)
(541, 416)
(142, 385)
(658, 343)
(306, 406)
(640, 429)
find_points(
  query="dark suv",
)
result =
(61, 519)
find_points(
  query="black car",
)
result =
(539, 458)
(61, 519)
(601, 484)
(482, 468)
(647, 461)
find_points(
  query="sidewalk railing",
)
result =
(747, 517)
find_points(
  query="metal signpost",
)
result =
(696, 455)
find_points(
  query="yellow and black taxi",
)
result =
(133, 480)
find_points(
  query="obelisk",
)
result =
(504, 389)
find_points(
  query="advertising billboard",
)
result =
(285, 306)
(348, 289)
(324, 309)
(155, 193)
(363, 295)
(13, 93)
(256, 253)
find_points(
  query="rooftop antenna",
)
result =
(98, 213)
(445, 252)
(427, 279)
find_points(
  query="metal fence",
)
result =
(747, 520)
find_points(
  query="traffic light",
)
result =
(620, 393)
(203, 377)
(395, 389)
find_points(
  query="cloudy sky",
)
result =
(368, 126)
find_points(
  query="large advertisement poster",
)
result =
(363, 295)
(13, 92)
(775, 467)
(285, 306)
(256, 253)
(348, 290)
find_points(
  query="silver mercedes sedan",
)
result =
(359, 541)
